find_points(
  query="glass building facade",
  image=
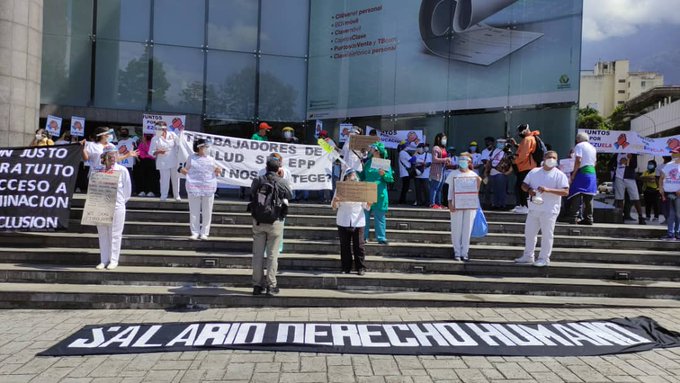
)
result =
(392, 65)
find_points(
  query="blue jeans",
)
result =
(436, 192)
(379, 225)
(499, 185)
(673, 218)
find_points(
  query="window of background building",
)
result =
(127, 20)
(643, 84)
(621, 80)
(282, 92)
(230, 85)
(122, 75)
(284, 27)
(621, 91)
(179, 22)
(177, 84)
(232, 25)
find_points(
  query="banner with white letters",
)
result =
(621, 141)
(564, 338)
(242, 160)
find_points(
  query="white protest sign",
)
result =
(241, 160)
(77, 126)
(174, 122)
(465, 193)
(53, 125)
(620, 141)
(100, 204)
(344, 131)
(381, 163)
(392, 138)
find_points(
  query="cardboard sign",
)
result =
(465, 193)
(381, 163)
(353, 191)
(101, 199)
(359, 143)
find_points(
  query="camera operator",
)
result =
(497, 169)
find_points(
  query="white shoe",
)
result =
(164, 199)
(542, 263)
(203, 237)
(524, 260)
(194, 236)
(142, 194)
(525, 210)
(150, 194)
(100, 266)
(111, 265)
(178, 199)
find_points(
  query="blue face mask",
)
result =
(473, 149)
(109, 138)
(463, 164)
(500, 146)
(651, 167)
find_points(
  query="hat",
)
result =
(264, 125)
(355, 129)
(323, 133)
(108, 149)
(473, 143)
(286, 129)
(421, 145)
(380, 147)
(522, 127)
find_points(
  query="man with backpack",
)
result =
(269, 194)
(530, 152)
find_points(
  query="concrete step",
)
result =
(399, 249)
(81, 296)
(374, 281)
(330, 233)
(439, 224)
(331, 263)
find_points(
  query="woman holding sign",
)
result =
(463, 204)
(351, 221)
(382, 177)
(111, 236)
(201, 171)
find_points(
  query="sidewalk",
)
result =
(26, 332)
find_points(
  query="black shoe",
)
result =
(271, 291)
(585, 222)
(642, 222)
(346, 271)
(361, 272)
(627, 218)
(383, 242)
(257, 290)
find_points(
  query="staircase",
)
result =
(608, 265)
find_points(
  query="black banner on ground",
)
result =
(36, 187)
(565, 338)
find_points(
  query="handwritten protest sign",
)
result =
(465, 193)
(381, 163)
(359, 143)
(100, 204)
(357, 191)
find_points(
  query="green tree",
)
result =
(133, 80)
(589, 118)
(620, 118)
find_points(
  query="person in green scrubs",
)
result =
(382, 178)
(261, 134)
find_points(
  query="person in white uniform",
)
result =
(164, 147)
(201, 173)
(92, 151)
(351, 222)
(111, 236)
(351, 157)
(546, 185)
(462, 219)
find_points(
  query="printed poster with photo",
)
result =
(53, 125)
(175, 122)
(77, 126)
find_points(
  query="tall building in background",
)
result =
(611, 84)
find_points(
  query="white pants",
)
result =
(110, 237)
(545, 222)
(200, 214)
(461, 229)
(168, 175)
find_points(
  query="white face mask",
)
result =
(444, 141)
(550, 162)
(287, 134)
(38, 137)
(420, 150)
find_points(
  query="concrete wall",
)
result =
(20, 66)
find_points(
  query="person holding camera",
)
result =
(524, 160)
(498, 167)
(201, 173)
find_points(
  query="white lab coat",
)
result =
(111, 237)
(167, 163)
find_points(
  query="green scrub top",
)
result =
(257, 137)
(372, 175)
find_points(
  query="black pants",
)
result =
(405, 184)
(148, 178)
(575, 207)
(521, 195)
(422, 191)
(352, 241)
(652, 198)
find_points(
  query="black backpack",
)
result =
(267, 207)
(540, 151)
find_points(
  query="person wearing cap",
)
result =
(423, 161)
(285, 174)
(201, 173)
(583, 181)
(92, 151)
(351, 222)
(497, 169)
(406, 169)
(381, 178)
(545, 186)
(462, 220)
(669, 187)
(324, 136)
(111, 236)
(352, 159)
(164, 147)
(524, 160)
(476, 156)
(261, 134)
(289, 135)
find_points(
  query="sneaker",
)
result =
(465, 258)
(257, 290)
(346, 271)
(669, 237)
(642, 221)
(383, 242)
(361, 272)
(141, 194)
(203, 237)
(163, 199)
(100, 266)
(516, 209)
(150, 194)
(541, 263)
(585, 222)
(194, 236)
(435, 206)
(178, 199)
(271, 291)
(524, 259)
(111, 265)
(457, 259)
(415, 204)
